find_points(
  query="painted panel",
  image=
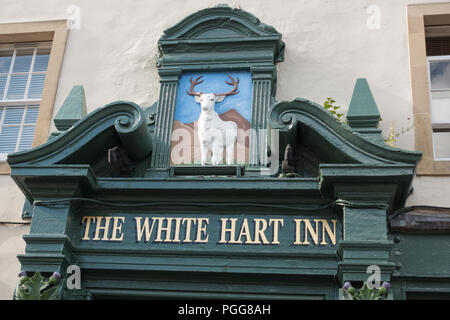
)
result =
(236, 108)
(275, 233)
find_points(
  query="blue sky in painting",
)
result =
(187, 110)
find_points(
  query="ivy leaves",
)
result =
(329, 105)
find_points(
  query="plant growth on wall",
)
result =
(391, 138)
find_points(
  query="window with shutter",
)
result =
(23, 69)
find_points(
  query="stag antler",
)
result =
(232, 83)
(193, 84)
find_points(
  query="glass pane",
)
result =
(41, 62)
(8, 139)
(440, 106)
(26, 140)
(1, 112)
(36, 86)
(2, 85)
(32, 115)
(5, 60)
(441, 142)
(14, 115)
(22, 62)
(17, 86)
(440, 74)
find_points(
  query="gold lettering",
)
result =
(326, 228)
(245, 231)
(105, 228)
(117, 229)
(231, 230)
(188, 221)
(259, 231)
(140, 230)
(309, 229)
(298, 223)
(276, 224)
(201, 230)
(88, 220)
(166, 229)
(177, 230)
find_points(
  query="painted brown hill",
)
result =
(185, 148)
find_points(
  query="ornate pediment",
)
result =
(219, 22)
(303, 121)
(221, 29)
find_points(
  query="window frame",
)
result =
(26, 102)
(441, 124)
(56, 32)
(419, 15)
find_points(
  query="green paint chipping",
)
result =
(72, 110)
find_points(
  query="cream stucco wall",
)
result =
(328, 46)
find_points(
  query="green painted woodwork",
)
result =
(342, 173)
(363, 115)
(27, 210)
(414, 258)
(125, 120)
(72, 110)
(357, 256)
(422, 266)
(225, 39)
(356, 221)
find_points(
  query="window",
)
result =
(31, 55)
(438, 58)
(429, 58)
(22, 74)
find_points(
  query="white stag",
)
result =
(211, 129)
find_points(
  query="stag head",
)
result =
(208, 100)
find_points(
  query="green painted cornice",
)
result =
(54, 181)
(121, 119)
(72, 110)
(349, 160)
(338, 140)
(227, 32)
(197, 24)
(224, 24)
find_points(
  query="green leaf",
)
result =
(31, 288)
(50, 294)
(365, 293)
(35, 286)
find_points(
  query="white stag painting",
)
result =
(212, 119)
